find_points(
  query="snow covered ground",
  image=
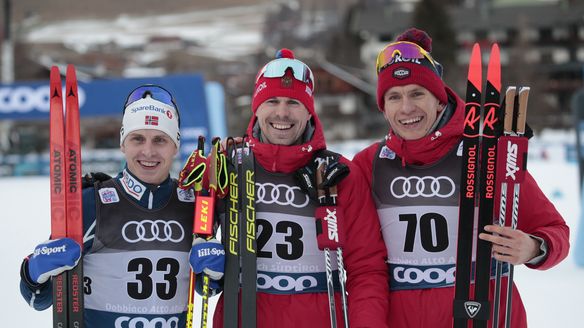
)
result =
(553, 298)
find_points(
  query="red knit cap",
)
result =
(285, 85)
(404, 72)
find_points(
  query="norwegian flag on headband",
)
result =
(151, 120)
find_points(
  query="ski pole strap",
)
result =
(194, 168)
(328, 227)
(222, 177)
(329, 233)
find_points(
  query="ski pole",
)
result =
(192, 175)
(205, 219)
(521, 159)
(340, 263)
(507, 130)
(327, 255)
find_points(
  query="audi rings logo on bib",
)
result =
(427, 186)
(140, 322)
(281, 194)
(148, 230)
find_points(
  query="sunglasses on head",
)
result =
(406, 50)
(155, 92)
(279, 67)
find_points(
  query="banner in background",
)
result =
(29, 101)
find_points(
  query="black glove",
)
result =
(91, 178)
(334, 172)
(306, 177)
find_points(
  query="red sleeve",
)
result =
(364, 161)
(539, 217)
(365, 253)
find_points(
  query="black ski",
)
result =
(247, 237)
(463, 307)
(488, 154)
(231, 237)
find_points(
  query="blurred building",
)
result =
(542, 46)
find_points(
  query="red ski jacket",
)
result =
(432, 307)
(364, 251)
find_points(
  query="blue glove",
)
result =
(208, 256)
(52, 258)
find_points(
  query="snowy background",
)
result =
(553, 298)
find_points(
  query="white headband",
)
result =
(149, 113)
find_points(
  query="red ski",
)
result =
(58, 202)
(66, 209)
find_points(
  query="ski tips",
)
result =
(71, 81)
(55, 83)
(474, 68)
(71, 71)
(55, 73)
(494, 69)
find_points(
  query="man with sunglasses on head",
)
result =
(414, 175)
(137, 229)
(286, 137)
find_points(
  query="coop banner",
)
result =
(30, 101)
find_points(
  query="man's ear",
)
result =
(441, 107)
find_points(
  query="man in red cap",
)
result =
(414, 175)
(286, 136)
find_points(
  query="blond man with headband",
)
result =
(137, 228)
(414, 174)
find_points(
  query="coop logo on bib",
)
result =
(417, 277)
(285, 283)
(140, 322)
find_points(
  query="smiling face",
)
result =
(149, 154)
(411, 110)
(282, 120)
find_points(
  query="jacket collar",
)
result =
(140, 190)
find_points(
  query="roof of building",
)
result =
(389, 21)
